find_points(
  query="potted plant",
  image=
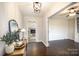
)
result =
(9, 38)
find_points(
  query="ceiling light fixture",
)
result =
(73, 10)
(37, 7)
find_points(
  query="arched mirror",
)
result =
(14, 29)
(13, 26)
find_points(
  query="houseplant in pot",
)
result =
(9, 38)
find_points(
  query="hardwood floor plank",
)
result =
(64, 47)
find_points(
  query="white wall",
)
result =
(76, 33)
(45, 31)
(13, 12)
(71, 27)
(61, 27)
(3, 21)
(8, 11)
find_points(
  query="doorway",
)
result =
(61, 27)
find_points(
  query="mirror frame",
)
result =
(10, 24)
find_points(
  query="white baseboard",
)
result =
(71, 39)
(47, 45)
(38, 40)
(76, 41)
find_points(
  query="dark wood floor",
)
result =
(56, 48)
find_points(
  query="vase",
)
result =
(19, 43)
(9, 48)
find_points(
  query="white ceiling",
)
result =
(26, 8)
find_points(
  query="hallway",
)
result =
(60, 35)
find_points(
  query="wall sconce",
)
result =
(36, 7)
